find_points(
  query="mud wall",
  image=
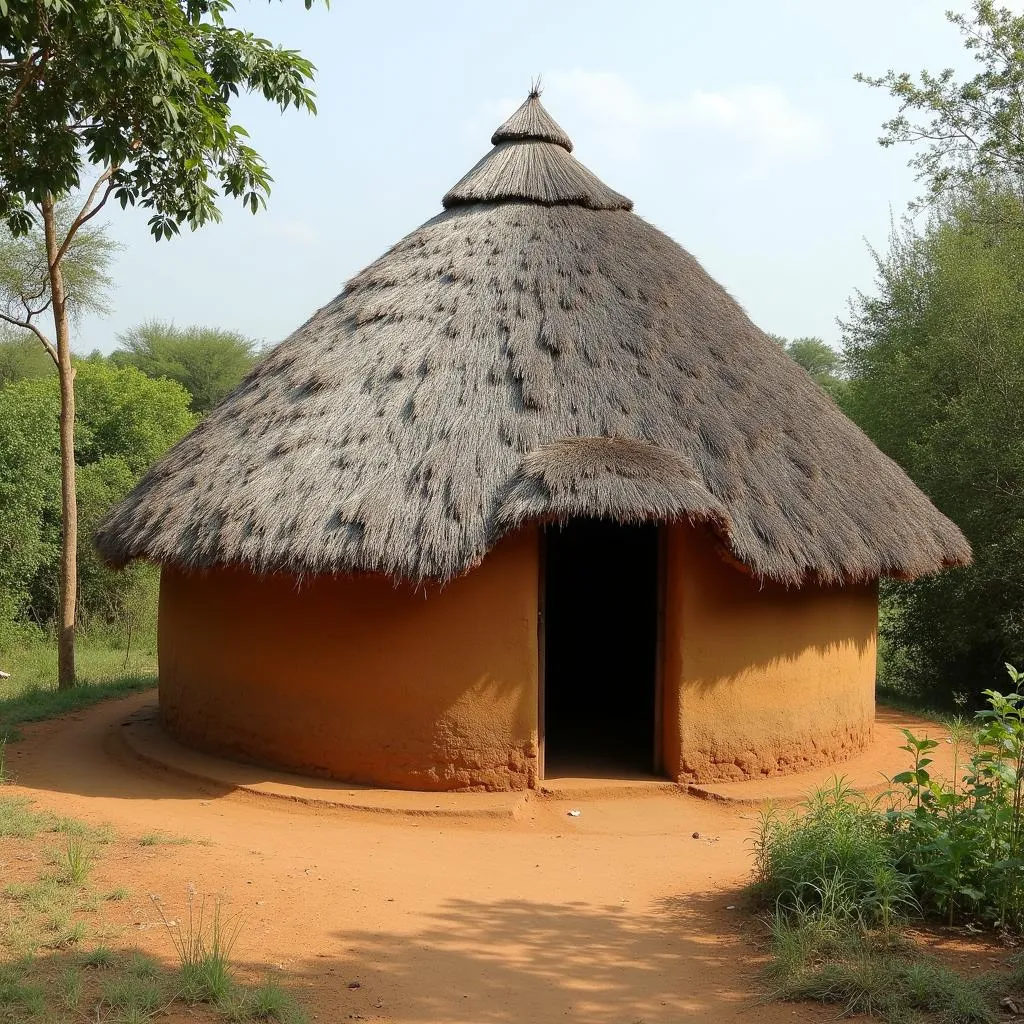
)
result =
(759, 679)
(356, 678)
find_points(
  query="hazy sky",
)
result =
(735, 126)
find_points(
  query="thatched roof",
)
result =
(536, 351)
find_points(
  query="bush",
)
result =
(961, 842)
(124, 422)
(835, 863)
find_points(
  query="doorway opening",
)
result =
(600, 649)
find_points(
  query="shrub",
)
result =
(962, 841)
(835, 862)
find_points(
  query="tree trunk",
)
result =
(69, 500)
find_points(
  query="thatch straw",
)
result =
(539, 355)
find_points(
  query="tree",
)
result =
(22, 357)
(125, 422)
(206, 361)
(820, 360)
(139, 93)
(971, 129)
(29, 488)
(936, 363)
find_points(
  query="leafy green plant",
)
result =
(961, 841)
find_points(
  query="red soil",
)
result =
(616, 916)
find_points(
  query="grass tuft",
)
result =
(77, 862)
(163, 839)
(69, 988)
(132, 995)
(204, 945)
(267, 1001)
(100, 957)
(871, 975)
(17, 821)
(19, 996)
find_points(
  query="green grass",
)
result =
(31, 694)
(265, 1002)
(163, 839)
(876, 975)
(20, 996)
(100, 957)
(836, 902)
(19, 821)
(76, 862)
(46, 975)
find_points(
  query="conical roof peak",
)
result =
(532, 162)
(532, 122)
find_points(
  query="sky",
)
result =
(734, 126)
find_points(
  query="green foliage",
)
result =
(135, 997)
(101, 957)
(29, 487)
(936, 364)
(20, 995)
(125, 421)
(820, 360)
(143, 89)
(25, 271)
(841, 878)
(22, 357)
(206, 361)
(962, 841)
(835, 862)
(971, 129)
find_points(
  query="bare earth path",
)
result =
(617, 916)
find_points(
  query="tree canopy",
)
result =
(125, 422)
(21, 356)
(971, 129)
(819, 359)
(936, 362)
(207, 362)
(143, 90)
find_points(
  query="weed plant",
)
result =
(843, 875)
(961, 841)
(204, 945)
(835, 862)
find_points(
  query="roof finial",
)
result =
(532, 123)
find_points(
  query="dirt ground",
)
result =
(617, 916)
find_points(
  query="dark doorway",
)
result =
(600, 648)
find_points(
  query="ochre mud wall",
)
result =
(759, 679)
(356, 678)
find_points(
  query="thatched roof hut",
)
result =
(535, 353)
